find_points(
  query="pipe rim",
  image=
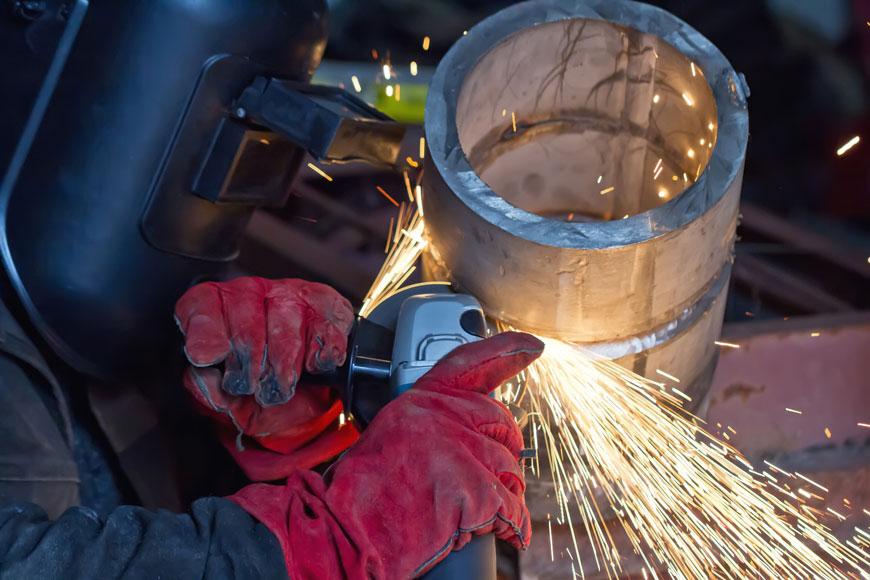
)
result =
(446, 153)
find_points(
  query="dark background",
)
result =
(805, 236)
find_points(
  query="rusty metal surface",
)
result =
(783, 365)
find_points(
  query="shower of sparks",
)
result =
(514, 121)
(794, 411)
(422, 147)
(413, 68)
(693, 69)
(387, 72)
(425, 43)
(849, 144)
(411, 161)
(728, 344)
(614, 441)
(608, 190)
(405, 247)
(356, 85)
(319, 171)
(389, 90)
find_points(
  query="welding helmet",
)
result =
(137, 139)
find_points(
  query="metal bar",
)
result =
(786, 287)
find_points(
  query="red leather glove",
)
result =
(248, 341)
(438, 464)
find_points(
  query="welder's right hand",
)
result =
(437, 465)
(248, 341)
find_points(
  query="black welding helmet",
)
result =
(137, 138)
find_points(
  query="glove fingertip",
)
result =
(271, 392)
(484, 365)
(206, 341)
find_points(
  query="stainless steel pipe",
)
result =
(583, 175)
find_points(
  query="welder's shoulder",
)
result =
(215, 540)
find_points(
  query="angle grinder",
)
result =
(389, 349)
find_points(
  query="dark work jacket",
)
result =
(216, 540)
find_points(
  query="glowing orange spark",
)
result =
(387, 195)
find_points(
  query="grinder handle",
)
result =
(430, 326)
(475, 561)
(382, 363)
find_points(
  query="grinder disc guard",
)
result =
(365, 380)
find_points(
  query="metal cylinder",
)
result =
(583, 175)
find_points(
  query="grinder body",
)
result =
(396, 344)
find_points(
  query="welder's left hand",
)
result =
(248, 341)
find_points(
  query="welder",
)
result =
(136, 141)
(438, 464)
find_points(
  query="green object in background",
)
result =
(409, 107)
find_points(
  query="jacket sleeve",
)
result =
(216, 540)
